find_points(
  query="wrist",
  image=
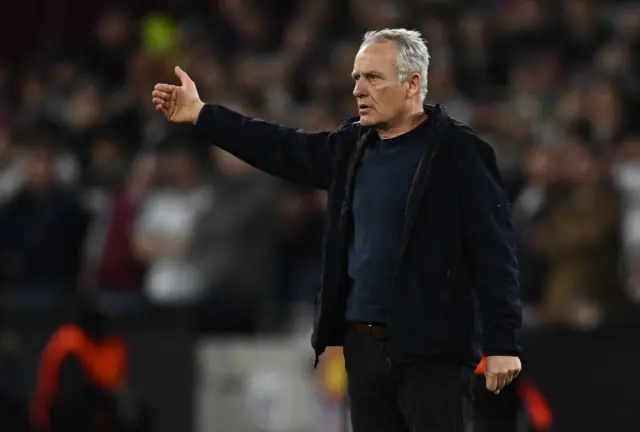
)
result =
(197, 110)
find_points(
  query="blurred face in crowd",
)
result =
(382, 99)
(40, 167)
(33, 90)
(441, 79)
(105, 153)
(541, 167)
(472, 29)
(112, 29)
(581, 167)
(181, 169)
(5, 144)
(579, 13)
(604, 96)
(86, 108)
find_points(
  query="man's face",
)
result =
(378, 91)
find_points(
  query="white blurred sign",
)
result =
(627, 177)
(255, 386)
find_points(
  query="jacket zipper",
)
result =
(414, 180)
(405, 231)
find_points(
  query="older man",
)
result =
(418, 228)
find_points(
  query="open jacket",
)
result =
(457, 273)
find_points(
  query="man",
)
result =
(418, 227)
(42, 228)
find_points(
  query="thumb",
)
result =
(184, 78)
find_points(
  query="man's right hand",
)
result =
(179, 104)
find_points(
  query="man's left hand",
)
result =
(499, 371)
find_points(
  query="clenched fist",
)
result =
(179, 104)
(500, 371)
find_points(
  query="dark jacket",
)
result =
(457, 245)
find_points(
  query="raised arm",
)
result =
(294, 155)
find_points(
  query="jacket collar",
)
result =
(436, 112)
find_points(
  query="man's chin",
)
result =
(367, 120)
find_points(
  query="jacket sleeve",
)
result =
(490, 246)
(294, 155)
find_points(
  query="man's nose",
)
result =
(359, 90)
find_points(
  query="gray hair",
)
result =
(413, 54)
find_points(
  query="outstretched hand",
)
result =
(179, 104)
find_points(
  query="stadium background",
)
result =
(553, 85)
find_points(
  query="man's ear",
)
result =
(413, 85)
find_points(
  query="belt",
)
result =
(375, 330)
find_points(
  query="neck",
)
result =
(404, 124)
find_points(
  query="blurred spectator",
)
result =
(626, 168)
(607, 122)
(41, 232)
(443, 89)
(585, 31)
(302, 223)
(541, 192)
(237, 242)
(167, 230)
(580, 239)
(113, 271)
(106, 55)
(10, 172)
(107, 164)
(14, 384)
(83, 381)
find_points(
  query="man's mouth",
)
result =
(363, 107)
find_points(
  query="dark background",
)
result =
(551, 84)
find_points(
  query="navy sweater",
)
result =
(379, 200)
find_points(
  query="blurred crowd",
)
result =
(100, 196)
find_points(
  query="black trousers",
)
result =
(416, 397)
